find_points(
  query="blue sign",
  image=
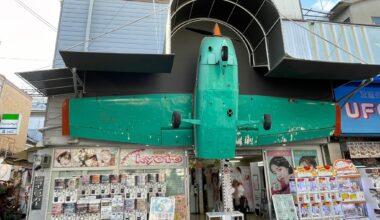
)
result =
(361, 115)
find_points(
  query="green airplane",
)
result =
(215, 120)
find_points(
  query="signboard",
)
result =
(361, 115)
(38, 190)
(85, 157)
(364, 149)
(10, 123)
(151, 158)
(162, 208)
(284, 207)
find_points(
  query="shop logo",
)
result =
(357, 110)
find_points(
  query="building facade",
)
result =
(16, 104)
(351, 11)
(277, 57)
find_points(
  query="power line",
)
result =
(23, 59)
(36, 15)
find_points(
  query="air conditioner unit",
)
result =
(45, 161)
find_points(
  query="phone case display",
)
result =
(114, 197)
(350, 190)
(315, 193)
(370, 179)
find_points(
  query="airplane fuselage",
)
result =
(216, 99)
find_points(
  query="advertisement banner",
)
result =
(361, 115)
(280, 170)
(151, 157)
(85, 157)
(364, 149)
(10, 123)
(241, 182)
(305, 158)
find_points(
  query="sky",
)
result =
(27, 44)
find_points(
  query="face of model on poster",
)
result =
(283, 171)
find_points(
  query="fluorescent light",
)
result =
(234, 161)
(239, 157)
(260, 164)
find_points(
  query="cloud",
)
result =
(325, 5)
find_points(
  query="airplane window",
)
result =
(224, 53)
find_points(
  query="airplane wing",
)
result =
(292, 120)
(140, 119)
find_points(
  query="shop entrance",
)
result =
(247, 179)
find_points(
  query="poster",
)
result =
(180, 207)
(162, 208)
(151, 157)
(284, 207)
(85, 157)
(280, 170)
(241, 182)
(305, 158)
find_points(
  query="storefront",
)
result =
(109, 183)
(254, 176)
(360, 139)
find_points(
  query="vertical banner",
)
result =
(280, 170)
(305, 158)
(38, 190)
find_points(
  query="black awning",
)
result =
(118, 62)
(309, 69)
(50, 82)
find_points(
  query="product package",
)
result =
(106, 208)
(129, 204)
(305, 210)
(59, 196)
(95, 179)
(326, 209)
(130, 215)
(316, 210)
(57, 209)
(59, 183)
(94, 206)
(141, 204)
(69, 208)
(82, 206)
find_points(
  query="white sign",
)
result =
(151, 157)
(10, 123)
(5, 171)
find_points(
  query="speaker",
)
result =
(45, 161)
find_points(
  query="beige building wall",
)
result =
(14, 100)
(360, 12)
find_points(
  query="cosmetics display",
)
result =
(328, 193)
(113, 197)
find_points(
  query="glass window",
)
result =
(376, 20)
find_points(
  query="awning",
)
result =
(20, 158)
(118, 62)
(312, 69)
(50, 82)
(256, 22)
